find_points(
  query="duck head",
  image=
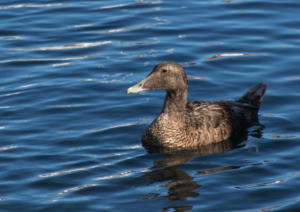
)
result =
(167, 76)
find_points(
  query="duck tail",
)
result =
(254, 96)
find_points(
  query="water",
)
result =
(70, 136)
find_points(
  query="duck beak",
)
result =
(138, 87)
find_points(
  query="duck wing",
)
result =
(238, 114)
(207, 114)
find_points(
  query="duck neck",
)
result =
(175, 101)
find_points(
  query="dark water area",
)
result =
(70, 136)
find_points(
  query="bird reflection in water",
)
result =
(181, 185)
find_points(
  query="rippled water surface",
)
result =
(70, 136)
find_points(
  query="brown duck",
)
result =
(190, 125)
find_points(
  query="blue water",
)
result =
(70, 136)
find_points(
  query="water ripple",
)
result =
(47, 59)
(260, 184)
(66, 46)
(133, 4)
(20, 6)
(121, 174)
(10, 94)
(5, 148)
(117, 126)
(76, 188)
(58, 173)
(10, 38)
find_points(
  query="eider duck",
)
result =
(184, 125)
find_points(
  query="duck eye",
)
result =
(164, 71)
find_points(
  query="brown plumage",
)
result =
(190, 125)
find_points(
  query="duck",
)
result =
(187, 125)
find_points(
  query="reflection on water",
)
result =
(216, 170)
(180, 184)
